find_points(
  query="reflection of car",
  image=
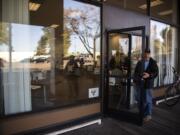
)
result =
(40, 59)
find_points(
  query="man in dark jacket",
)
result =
(145, 72)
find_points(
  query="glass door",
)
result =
(118, 71)
(124, 50)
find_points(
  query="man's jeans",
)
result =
(147, 100)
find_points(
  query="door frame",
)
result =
(106, 79)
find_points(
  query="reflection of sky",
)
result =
(24, 41)
(76, 44)
(159, 27)
(25, 37)
(124, 43)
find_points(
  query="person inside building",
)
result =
(145, 72)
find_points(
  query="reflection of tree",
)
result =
(4, 33)
(167, 36)
(158, 47)
(168, 55)
(85, 25)
(43, 43)
(66, 39)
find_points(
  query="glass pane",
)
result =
(136, 51)
(51, 58)
(22, 69)
(118, 70)
(165, 10)
(81, 54)
(4, 59)
(136, 54)
(135, 5)
(163, 44)
(121, 96)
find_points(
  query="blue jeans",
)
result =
(147, 100)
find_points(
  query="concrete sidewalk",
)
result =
(166, 121)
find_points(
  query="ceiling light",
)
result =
(153, 4)
(54, 26)
(167, 12)
(34, 6)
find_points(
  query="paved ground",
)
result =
(166, 121)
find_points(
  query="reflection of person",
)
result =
(115, 61)
(145, 72)
(116, 71)
(81, 62)
(72, 73)
(98, 62)
(116, 64)
(1, 86)
(1, 63)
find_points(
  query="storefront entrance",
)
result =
(124, 49)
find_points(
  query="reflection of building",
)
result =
(157, 50)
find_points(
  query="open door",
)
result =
(124, 50)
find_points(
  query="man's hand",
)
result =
(145, 75)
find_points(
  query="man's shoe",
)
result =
(147, 118)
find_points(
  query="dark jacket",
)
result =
(113, 64)
(152, 69)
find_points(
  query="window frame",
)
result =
(76, 102)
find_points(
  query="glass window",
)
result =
(135, 5)
(49, 54)
(136, 51)
(165, 10)
(163, 45)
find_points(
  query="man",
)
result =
(145, 72)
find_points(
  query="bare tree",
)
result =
(66, 40)
(85, 25)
